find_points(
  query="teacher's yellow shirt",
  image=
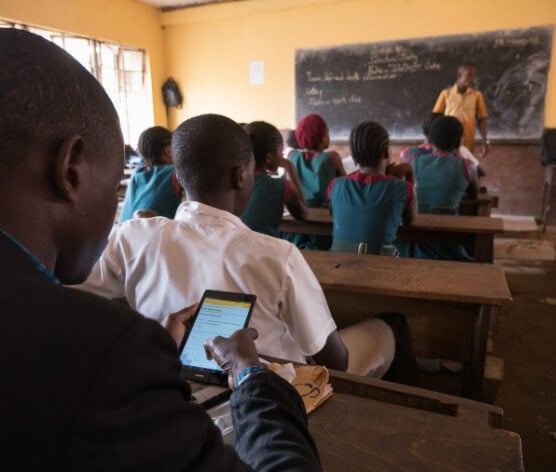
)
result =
(466, 107)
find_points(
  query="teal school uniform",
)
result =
(315, 173)
(266, 205)
(367, 209)
(154, 189)
(442, 179)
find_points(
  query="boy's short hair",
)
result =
(205, 147)
(428, 121)
(31, 111)
(446, 133)
(152, 142)
(265, 138)
(367, 141)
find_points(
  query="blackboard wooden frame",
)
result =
(397, 82)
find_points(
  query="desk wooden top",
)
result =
(445, 223)
(410, 278)
(362, 434)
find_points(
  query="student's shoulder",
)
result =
(264, 245)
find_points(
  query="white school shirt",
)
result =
(162, 265)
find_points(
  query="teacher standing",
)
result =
(467, 105)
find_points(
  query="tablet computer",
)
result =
(219, 314)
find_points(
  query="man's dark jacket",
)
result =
(88, 384)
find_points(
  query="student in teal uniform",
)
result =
(154, 186)
(316, 168)
(443, 177)
(368, 205)
(266, 205)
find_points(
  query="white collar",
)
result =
(190, 210)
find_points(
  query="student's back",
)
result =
(367, 205)
(315, 167)
(442, 179)
(153, 186)
(270, 194)
(151, 189)
(315, 174)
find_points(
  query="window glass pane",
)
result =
(80, 49)
(120, 70)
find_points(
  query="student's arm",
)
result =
(294, 202)
(292, 176)
(307, 316)
(334, 354)
(410, 210)
(339, 170)
(405, 172)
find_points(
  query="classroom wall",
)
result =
(209, 48)
(126, 22)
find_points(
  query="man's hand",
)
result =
(485, 149)
(178, 323)
(235, 353)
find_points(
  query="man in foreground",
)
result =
(88, 384)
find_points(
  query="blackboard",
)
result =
(397, 82)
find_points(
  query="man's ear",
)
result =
(238, 174)
(68, 169)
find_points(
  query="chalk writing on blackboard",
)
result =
(397, 82)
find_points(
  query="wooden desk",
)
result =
(374, 425)
(475, 231)
(448, 304)
(480, 206)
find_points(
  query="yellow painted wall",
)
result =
(126, 22)
(209, 48)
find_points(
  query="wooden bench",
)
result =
(448, 304)
(474, 231)
(370, 424)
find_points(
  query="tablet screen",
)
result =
(216, 317)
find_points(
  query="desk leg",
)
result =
(475, 372)
(484, 248)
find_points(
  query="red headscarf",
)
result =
(310, 132)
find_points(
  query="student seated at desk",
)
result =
(89, 384)
(409, 153)
(442, 178)
(368, 205)
(266, 205)
(153, 186)
(316, 168)
(207, 246)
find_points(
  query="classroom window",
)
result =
(121, 70)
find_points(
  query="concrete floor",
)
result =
(525, 337)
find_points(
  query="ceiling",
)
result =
(175, 4)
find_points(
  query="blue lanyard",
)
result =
(49, 276)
